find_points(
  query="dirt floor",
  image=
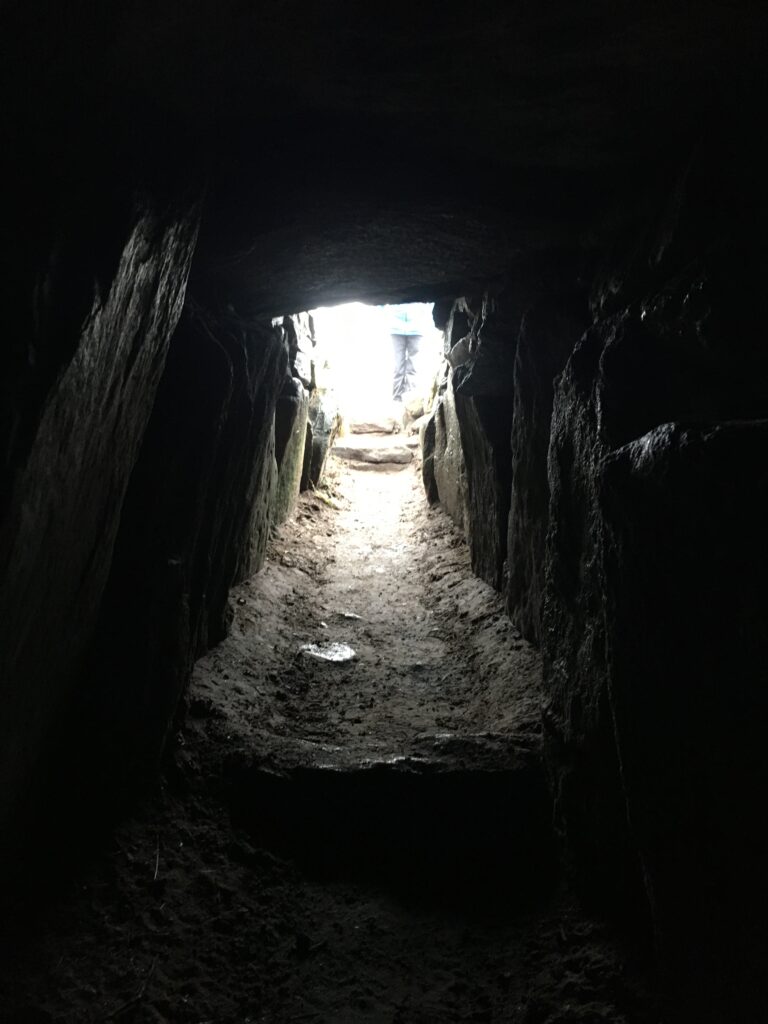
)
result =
(356, 841)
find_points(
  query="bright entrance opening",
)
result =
(381, 362)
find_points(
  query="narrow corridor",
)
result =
(363, 841)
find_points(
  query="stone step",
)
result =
(386, 425)
(458, 818)
(376, 454)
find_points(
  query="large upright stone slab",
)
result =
(590, 809)
(207, 474)
(448, 467)
(686, 563)
(290, 440)
(97, 343)
(548, 333)
(482, 361)
(484, 425)
(652, 766)
(323, 425)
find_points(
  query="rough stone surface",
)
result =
(413, 408)
(448, 467)
(207, 473)
(589, 802)
(323, 424)
(440, 763)
(672, 337)
(265, 484)
(427, 434)
(485, 423)
(364, 449)
(77, 442)
(299, 335)
(481, 378)
(531, 129)
(563, 127)
(549, 331)
(413, 428)
(290, 440)
(382, 425)
(483, 359)
(687, 612)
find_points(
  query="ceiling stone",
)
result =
(376, 148)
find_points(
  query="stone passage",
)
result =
(360, 840)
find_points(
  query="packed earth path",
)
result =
(360, 840)
(367, 565)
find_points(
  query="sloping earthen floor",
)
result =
(365, 841)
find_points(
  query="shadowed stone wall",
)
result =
(97, 343)
(627, 423)
(196, 520)
(655, 457)
(647, 663)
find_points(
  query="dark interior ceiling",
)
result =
(383, 150)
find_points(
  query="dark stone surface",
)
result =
(471, 460)
(674, 336)
(195, 521)
(427, 442)
(448, 467)
(495, 386)
(290, 441)
(549, 331)
(323, 424)
(403, 834)
(461, 326)
(564, 131)
(299, 334)
(484, 364)
(484, 424)
(261, 519)
(579, 741)
(570, 118)
(685, 509)
(97, 336)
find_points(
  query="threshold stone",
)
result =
(375, 450)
